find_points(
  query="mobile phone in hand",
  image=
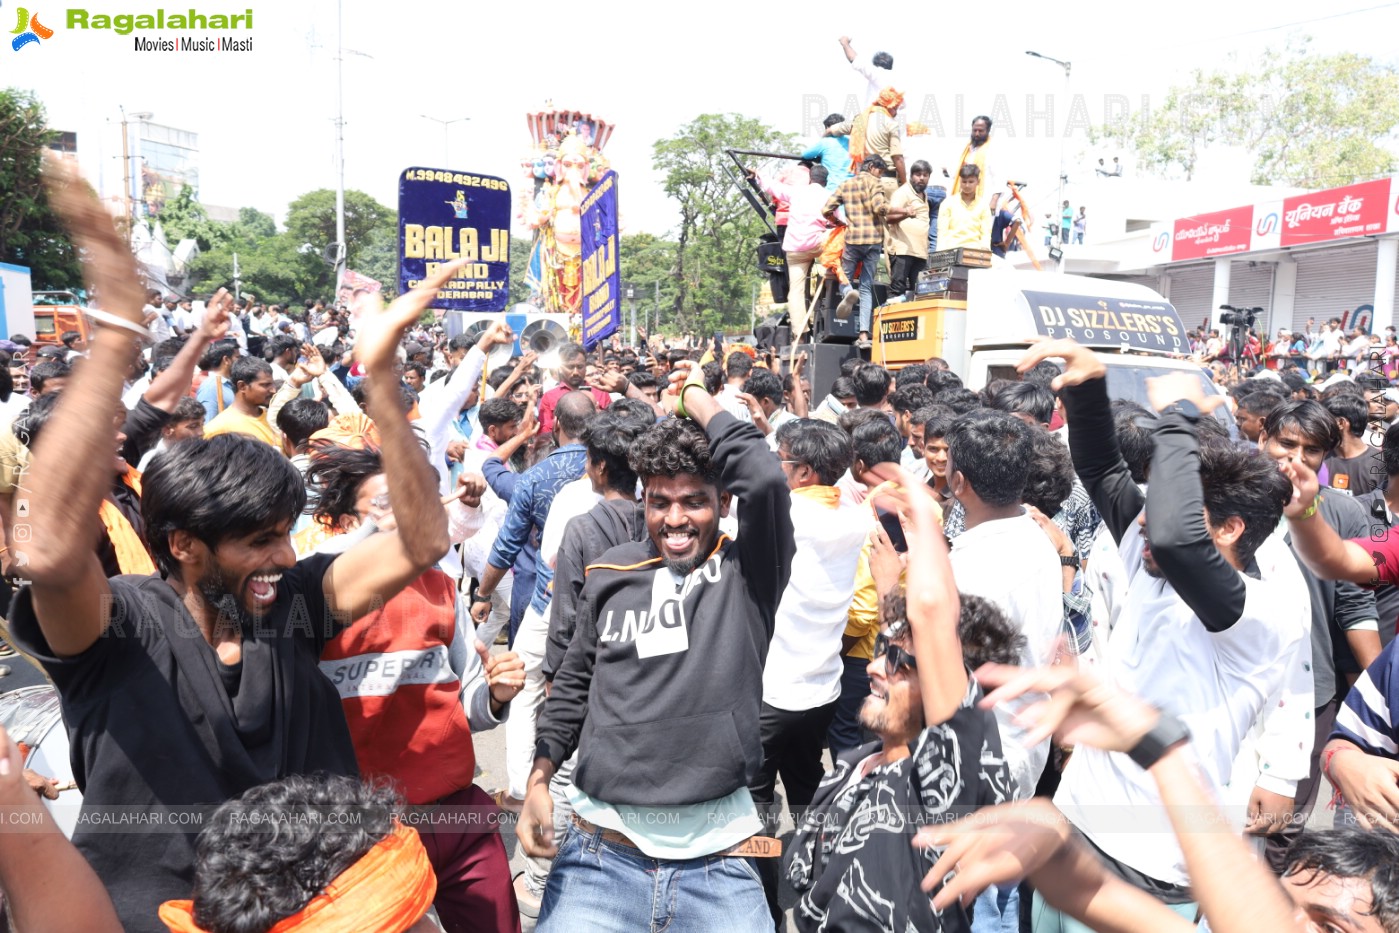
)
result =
(894, 529)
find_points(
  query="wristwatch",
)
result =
(1161, 738)
(478, 598)
(1070, 560)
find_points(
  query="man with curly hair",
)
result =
(661, 690)
(317, 851)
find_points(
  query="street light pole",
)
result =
(446, 143)
(1059, 204)
(339, 146)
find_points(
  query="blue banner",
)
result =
(444, 216)
(602, 308)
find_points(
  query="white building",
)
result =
(1296, 254)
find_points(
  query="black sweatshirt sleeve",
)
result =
(1175, 526)
(568, 586)
(766, 542)
(561, 722)
(142, 430)
(1097, 458)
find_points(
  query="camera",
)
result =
(1238, 317)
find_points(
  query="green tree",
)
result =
(1309, 120)
(648, 265)
(30, 234)
(717, 239)
(519, 263)
(184, 218)
(311, 219)
(254, 223)
(272, 268)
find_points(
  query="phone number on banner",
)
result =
(456, 178)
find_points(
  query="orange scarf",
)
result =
(957, 175)
(824, 496)
(356, 431)
(386, 891)
(889, 100)
(132, 556)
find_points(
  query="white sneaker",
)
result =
(847, 304)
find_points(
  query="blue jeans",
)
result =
(866, 256)
(935, 194)
(597, 885)
(997, 910)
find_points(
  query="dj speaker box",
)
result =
(823, 366)
(825, 326)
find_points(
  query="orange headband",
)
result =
(889, 97)
(357, 431)
(386, 891)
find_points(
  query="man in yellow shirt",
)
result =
(965, 220)
(252, 390)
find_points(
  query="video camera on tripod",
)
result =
(1239, 317)
(1240, 320)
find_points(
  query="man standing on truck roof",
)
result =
(865, 208)
(978, 152)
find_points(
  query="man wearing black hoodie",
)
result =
(661, 689)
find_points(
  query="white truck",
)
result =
(1137, 333)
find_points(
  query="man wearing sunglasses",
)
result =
(937, 754)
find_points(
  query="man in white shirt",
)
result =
(801, 681)
(878, 72)
(765, 389)
(1215, 612)
(1004, 557)
(737, 368)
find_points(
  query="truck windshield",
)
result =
(1129, 382)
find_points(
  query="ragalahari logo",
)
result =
(28, 30)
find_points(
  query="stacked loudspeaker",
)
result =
(535, 330)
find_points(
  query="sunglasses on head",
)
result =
(895, 658)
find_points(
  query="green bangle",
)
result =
(1311, 509)
(696, 380)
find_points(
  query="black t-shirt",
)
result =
(153, 725)
(853, 857)
(1357, 475)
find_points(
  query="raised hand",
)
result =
(1081, 709)
(497, 334)
(381, 329)
(1165, 391)
(1080, 363)
(217, 314)
(108, 266)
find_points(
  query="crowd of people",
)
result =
(1026, 657)
(1315, 350)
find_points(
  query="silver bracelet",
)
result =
(139, 331)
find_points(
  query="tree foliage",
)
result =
(30, 234)
(184, 218)
(715, 252)
(311, 219)
(291, 266)
(1313, 121)
(648, 265)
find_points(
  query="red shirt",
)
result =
(551, 400)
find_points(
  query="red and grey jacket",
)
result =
(405, 674)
